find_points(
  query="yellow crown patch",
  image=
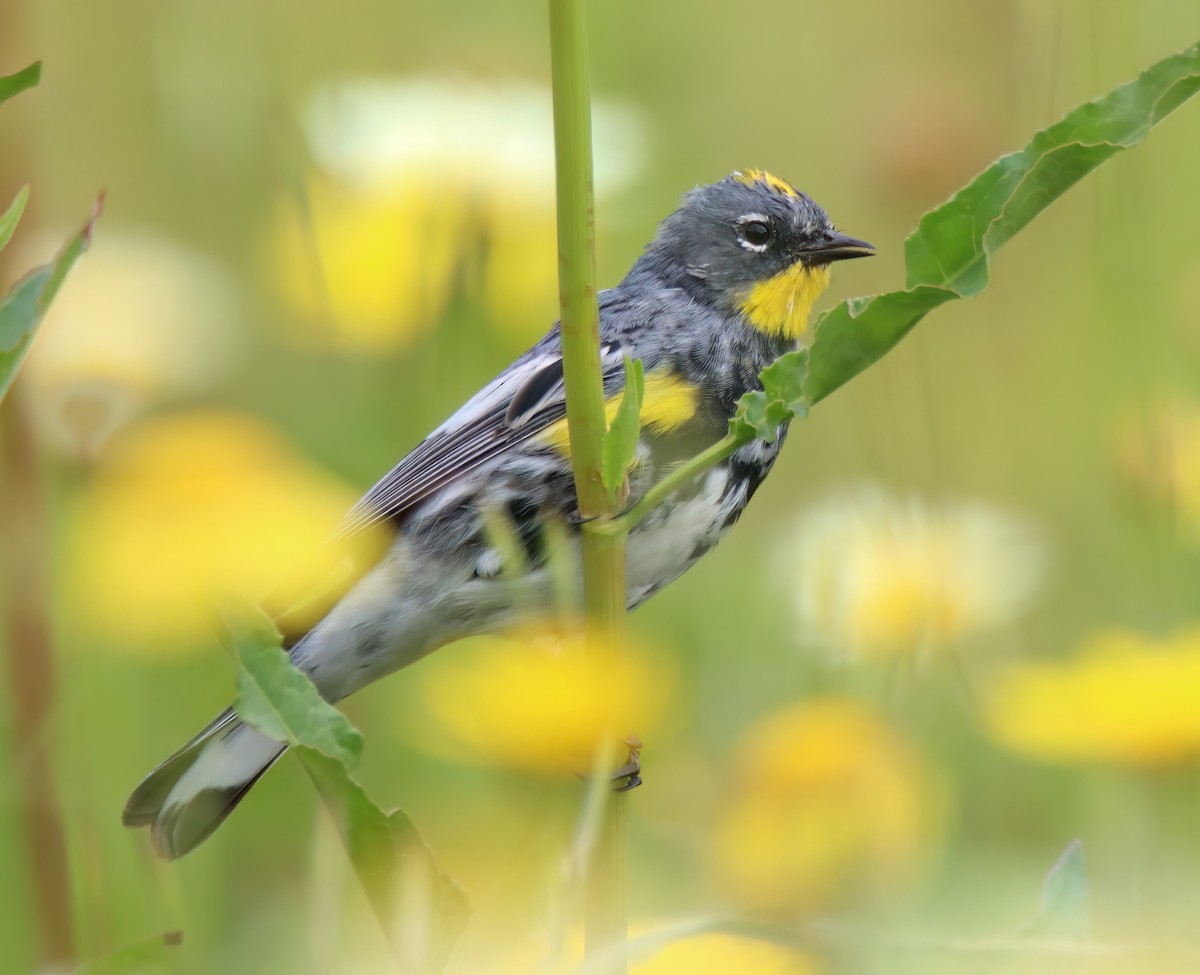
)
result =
(752, 176)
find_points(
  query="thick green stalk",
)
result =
(576, 250)
(603, 553)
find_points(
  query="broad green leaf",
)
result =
(387, 854)
(947, 256)
(22, 309)
(12, 216)
(758, 416)
(620, 442)
(760, 412)
(157, 954)
(784, 380)
(395, 867)
(14, 84)
(1064, 909)
(278, 699)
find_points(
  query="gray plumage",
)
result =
(678, 310)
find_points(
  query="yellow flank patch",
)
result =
(780, 305)
(752, 176)
(669, 401)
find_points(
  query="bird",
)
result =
(725, 286)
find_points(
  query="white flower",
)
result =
(497, 138)
(877, 574)
(417, 179)
(138, 319)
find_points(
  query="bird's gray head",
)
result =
(751, 244)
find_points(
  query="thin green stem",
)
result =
(603, 552)
(624, 523)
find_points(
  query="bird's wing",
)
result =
(518, 404)
(525, 400)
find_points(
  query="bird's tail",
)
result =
(190, 794)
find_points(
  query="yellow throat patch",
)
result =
(781, 305)
(668, 401)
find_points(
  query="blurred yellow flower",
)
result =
(722, 954)
(877, 574)
(141, 318)
(515, 702)
(520, 274)
(828, 801)
(415, 174)
(190, 507)
(1159, 454)
(1125, 698)
(369, 270)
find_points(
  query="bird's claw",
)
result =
(629, 775)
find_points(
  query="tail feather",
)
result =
(190, 794)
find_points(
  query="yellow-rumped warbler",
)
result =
(725, 287)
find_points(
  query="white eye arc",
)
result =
(754, 232)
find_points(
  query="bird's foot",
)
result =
(629, 775)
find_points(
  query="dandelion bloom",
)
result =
(829, 799)
(414, 176)
(539, 703)
(190, 506)
(140, 320)
(1124, 698)
(877, 574)
(720, 954)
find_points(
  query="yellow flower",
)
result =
(1159, 454)
(189, 507)
(520, 275)
(369, 270)
(721, 954)
(877, 574)
(138, 319)
(828, 800)
(1125, 698)
(519, 703)
(417, 175)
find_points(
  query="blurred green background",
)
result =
(326, 225)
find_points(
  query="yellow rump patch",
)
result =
(669, 401)
(781, 305)
(752, 176)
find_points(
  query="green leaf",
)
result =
(12, 216)
(157, 954)
(14, 84)
(23, 308)
(757, 417)
(620, 442)
(1064, 909)
(396, 868)
(948, 254)
(278, 699)
(784, 380)
(760, 412)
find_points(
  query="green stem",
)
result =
(576, 251)
(603, 552)
(624, 523)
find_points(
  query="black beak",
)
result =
(835, 247)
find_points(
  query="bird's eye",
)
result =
(756, 233)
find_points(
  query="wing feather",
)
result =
(517, 405)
